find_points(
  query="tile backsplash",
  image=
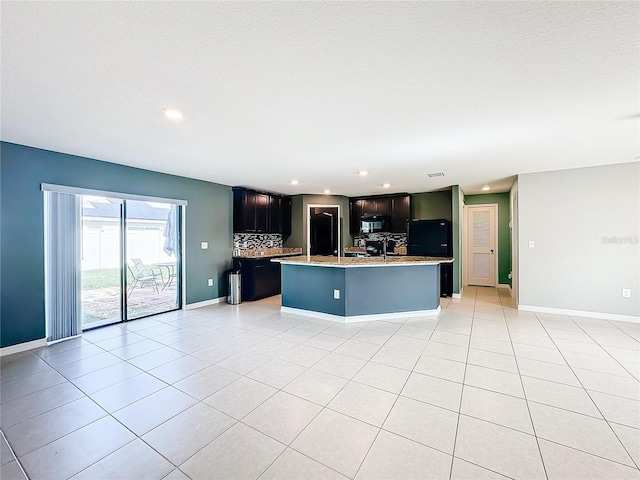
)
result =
(256, 240)
(360, 238)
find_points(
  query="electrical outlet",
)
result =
(336, 294)
(626, 293)
(210, 282)
(204, 245)
(532, 244)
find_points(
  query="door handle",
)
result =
(492, 251)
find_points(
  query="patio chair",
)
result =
(143, 276)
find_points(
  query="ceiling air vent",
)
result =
(437, 174)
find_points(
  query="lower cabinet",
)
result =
(260, 277)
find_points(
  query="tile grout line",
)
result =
(15, 457)
(237, 421)
(464, 377)
(526, 400)
(392, 406)
(602, 348)
(596, 406)
(325, 407)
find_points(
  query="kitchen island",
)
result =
(352, 289)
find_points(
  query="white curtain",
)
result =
(63, 229)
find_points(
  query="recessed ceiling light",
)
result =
(437, 174)
(294, 182)
(173, 113)
(386, 185)
(362, 173)
(327, 191)
(486, 187)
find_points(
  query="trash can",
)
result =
(235, 287)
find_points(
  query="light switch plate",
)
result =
(532, 244)
(210, 282)
(336, 294)
(626, 293)
(204, 245)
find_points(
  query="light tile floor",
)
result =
(480, 391)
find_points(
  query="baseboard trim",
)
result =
(53, 342)
(580, 313)
(507, 286)
(23, 347)
(213, 301)
(458, 295)
(358, 318)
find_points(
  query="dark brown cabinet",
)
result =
(400, 214)
(250, 211)
(285, 216)
(281, 215)
(262, 213)
(383, 206)
(396, 206)
(368, 207)
(260, 277)
(258, 212)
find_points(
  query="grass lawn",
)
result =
(103, 278)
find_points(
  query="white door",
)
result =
(481, 248)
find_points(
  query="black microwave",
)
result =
(375, 223)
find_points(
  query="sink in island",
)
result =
(353, 289)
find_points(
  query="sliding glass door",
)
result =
(130, 260)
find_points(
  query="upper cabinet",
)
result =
(396, 206)
(280, 215)
(400, 213)
(258, 212)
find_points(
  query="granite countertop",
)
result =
(266, 252)
(396, 251)
(362, 261)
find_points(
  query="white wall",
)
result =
(573, 216)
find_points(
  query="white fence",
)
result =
(101, 245)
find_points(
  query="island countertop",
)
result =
(266, 252)
(346, 262)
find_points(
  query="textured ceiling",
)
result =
(272, 91)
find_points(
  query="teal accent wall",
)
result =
(431, 205)
(23, 169)
(504, 232)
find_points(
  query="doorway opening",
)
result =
(323, 230)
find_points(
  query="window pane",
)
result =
(153, 264)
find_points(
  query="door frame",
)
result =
(513, 226)
(308, 240)
(466, 258)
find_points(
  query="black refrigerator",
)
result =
(433, 238)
